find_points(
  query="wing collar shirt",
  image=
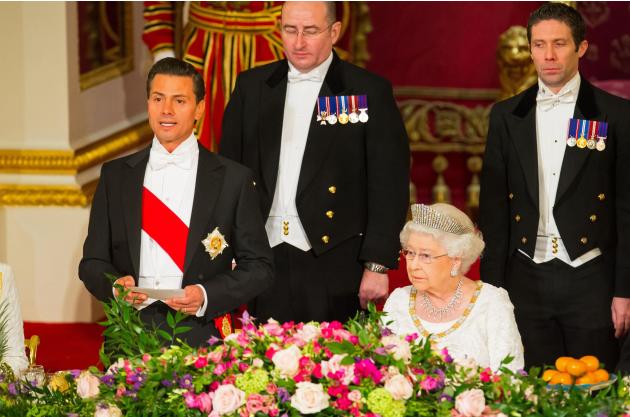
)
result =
(553, 112)
(283, 224)
(171, 178)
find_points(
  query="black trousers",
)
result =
(312, 288)
(563, 311)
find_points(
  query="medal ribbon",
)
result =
(353, 104)
(592, 129)
(344, 105)
(602, 131)
(573, 131)
(328, 106)
(585, 124)
(362, 102)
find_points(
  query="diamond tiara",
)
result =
(426, 216)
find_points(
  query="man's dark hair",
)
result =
(563, 13)
(179, 68)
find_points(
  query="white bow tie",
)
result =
(297, 77)
(550, 101)
(159, 160)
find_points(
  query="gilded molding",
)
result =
(73, 162)
(47, 195)
(445, 93)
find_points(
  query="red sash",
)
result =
(171, 233)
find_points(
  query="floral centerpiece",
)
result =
(358, 369)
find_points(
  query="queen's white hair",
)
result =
(467, 246)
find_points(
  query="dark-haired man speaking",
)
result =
(174, 215)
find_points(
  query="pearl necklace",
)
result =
(440, 312)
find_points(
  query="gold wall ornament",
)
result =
(516, 68)
(73, 162)
(474, 165)
(441, 192)
(105, 41)
(439, 127)
(47, 195)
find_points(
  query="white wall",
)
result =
(44, 108)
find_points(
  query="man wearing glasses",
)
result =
(331, 158)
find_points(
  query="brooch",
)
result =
(215, 243)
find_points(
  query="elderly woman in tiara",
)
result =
(471, 319)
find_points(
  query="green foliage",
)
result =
(126, 335)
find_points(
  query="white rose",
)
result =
(87, 385)
(287, 361)
(334, 365)
(401, 348)
(107, 411)
(308, 333)
(470, 403)
(227, 399)
(309, 398)
(468, 365)
(399, 387)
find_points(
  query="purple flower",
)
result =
(72, 415)
(283, 395)
(443, 397)
(385, 332)
(12, 389)
(167, 383)
(108, 379)
(75, 373)
(185, 382)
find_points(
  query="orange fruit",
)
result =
(592, 363)
(587, 378)
(548, 374)
(601, 375)
(561, 363)
(561, 378)
(576, 367)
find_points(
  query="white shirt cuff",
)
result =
(202, 310)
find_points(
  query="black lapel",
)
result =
(132, 199)
(271, 105)
(574, 157)
(320, 137)
(523, 133)
(210, 174)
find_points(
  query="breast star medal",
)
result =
(215, 243)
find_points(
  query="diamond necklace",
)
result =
(440, 312)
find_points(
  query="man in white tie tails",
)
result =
(174, 215)
(555, 201)
(330, 154)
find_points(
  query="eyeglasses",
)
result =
(425, 258)
(308, 33)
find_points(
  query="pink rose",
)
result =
(201, 362)
(309, 398)
(256, 403)
(204, 402)
(354, 396)
(227, 399)
(287, 361)
(471, 403)
(88, 385)
(399, 387)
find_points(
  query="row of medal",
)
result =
(589, 134)
(342, 109)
